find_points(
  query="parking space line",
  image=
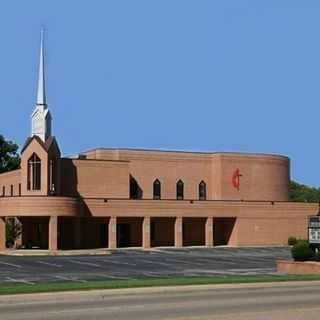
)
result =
(9, 279)
(106, 275)
(70, 279)
(11, 264)
(153, 274)
(253, 270)
(86, 263)
(123, 263)
(50, 264)
(155, 262)
(185, 262)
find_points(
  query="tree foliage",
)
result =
(302, 193)
(9, 157)
(13, 231)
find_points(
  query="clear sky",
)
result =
(170, 74)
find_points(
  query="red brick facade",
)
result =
(109, 198)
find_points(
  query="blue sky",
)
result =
(170, 74)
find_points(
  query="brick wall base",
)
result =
(294, 267)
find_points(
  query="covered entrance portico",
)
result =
(112, 224)
(68, 233)
(150, 232)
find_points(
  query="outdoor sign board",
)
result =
(314, 230)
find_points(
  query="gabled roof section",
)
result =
(51, 144)
(47, 146)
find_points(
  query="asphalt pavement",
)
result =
(136, 264)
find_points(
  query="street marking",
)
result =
(123, 263)
(120, 277)
(153, 274)
(11, 264)
(201, 272)
(185, 262)
(69, 279)
(106, 275)
(154, 262)
(86, 263)
(252, 270)
(9, 279)
(50, 264)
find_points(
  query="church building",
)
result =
(110, 198)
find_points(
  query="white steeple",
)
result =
(41, 94)
(41, 117)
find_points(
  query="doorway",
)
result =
(123, 235)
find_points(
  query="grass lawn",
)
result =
(147, 282)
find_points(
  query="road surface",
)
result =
(294, 301)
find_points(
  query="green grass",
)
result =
(117, 284)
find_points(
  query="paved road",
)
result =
(281, 302)
(134, 264)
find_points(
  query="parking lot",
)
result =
(137, 264)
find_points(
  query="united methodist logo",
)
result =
(236, 179)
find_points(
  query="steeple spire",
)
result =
(41, 117)
(41, 94)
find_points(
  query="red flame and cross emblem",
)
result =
(236, 179)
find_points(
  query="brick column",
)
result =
(178, 236)
(209, 232)
(2, 234)
(112, 232)
(146, 236)
(77, 233)
(53, 233)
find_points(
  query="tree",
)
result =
(9, 157)
(13, 231)
(302, 193)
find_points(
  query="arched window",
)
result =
(156, 190)
(180, 186)
(202, 190)
(34, 173)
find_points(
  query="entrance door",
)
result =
(103, 235)
(123, 235)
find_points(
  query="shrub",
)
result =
(301, 251)
(317, 256)
(292, 241)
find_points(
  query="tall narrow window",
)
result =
(52, 177)
(3, 191)
(19, 189)
(202, 191)
(34, 173)
(135, 190)
(180, 187)
(156, 190)
(11, 190)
